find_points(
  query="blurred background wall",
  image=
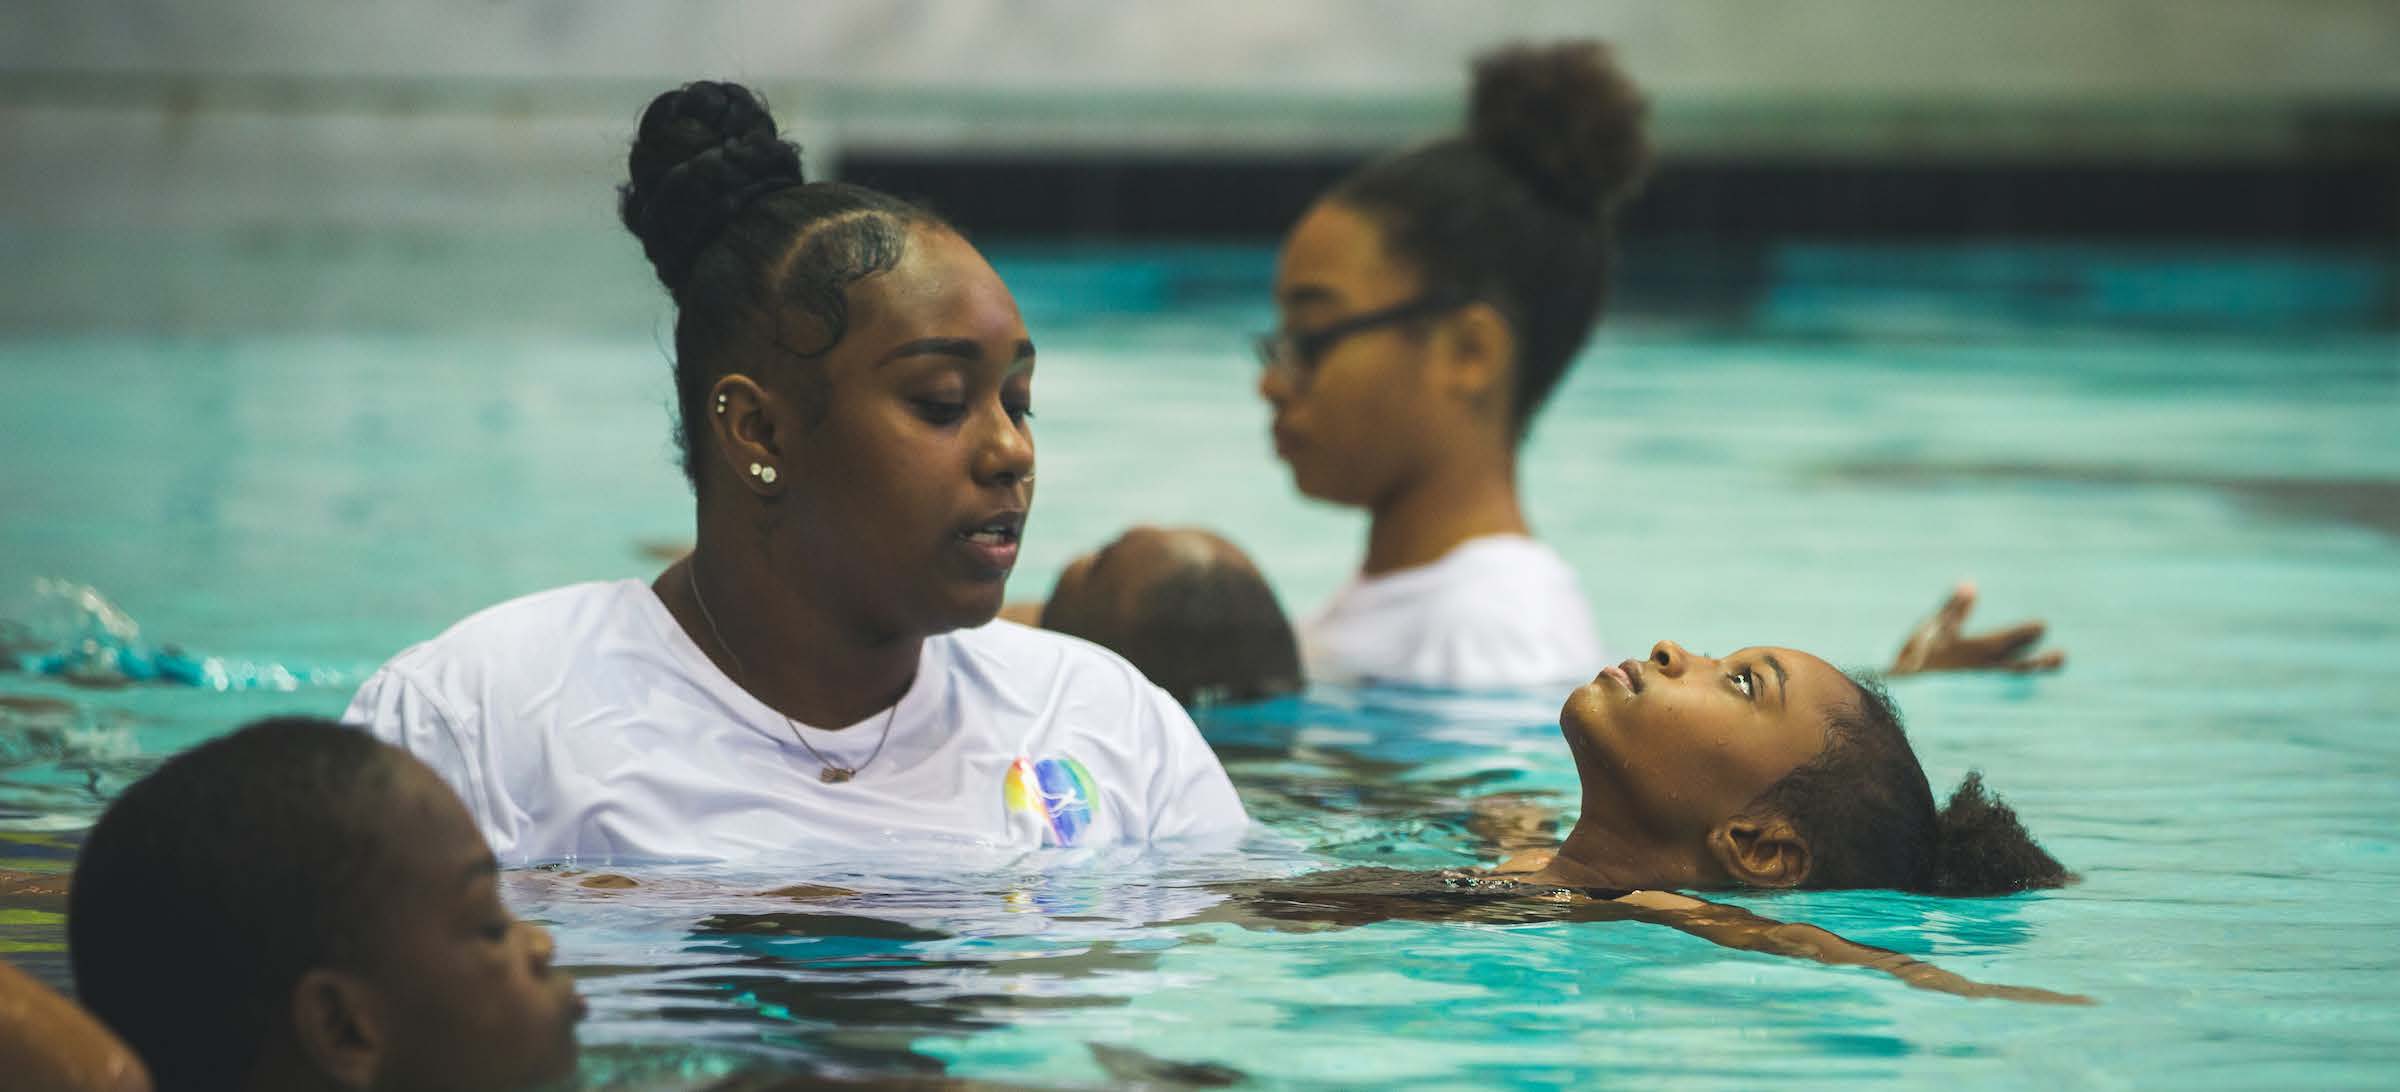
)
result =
(275, 163)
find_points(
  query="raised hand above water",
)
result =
(1937, 644)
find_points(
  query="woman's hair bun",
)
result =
(1564, 118)
(701, 153)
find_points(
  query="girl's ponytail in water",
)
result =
(1865, 810)
(1981, 849)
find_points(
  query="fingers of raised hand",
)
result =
(1954, 610)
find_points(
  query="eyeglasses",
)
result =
(1296, 352)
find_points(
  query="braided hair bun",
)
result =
(1565, 120)
(702, 152)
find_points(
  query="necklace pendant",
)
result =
(834, 775)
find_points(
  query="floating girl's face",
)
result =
(1677, 744)
(1358, 420)
(907, 489)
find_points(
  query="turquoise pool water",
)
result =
(2208, 513)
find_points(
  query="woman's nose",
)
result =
(1670, 658)
(1007, 455)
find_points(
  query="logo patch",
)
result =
(1056, 794)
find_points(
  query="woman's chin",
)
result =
(971, 606)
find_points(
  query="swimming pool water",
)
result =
(2209, 519)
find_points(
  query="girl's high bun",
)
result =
(1563, 118)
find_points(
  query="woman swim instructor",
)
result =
(854, 385)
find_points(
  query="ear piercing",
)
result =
(761, 471)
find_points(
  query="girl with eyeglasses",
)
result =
(1429, 305)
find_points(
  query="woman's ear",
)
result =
(1760, 851)
(742, 417)
(337, 1026)
(1479, 349)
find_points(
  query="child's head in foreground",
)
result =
(297, 905)
(1771, 768)
(1187, 608)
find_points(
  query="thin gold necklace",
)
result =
(827, 772)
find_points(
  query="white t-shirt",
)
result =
(582, 722)
(1497, 611)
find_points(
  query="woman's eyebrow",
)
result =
(1782, 680)
(964, 348)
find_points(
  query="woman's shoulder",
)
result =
(1013, 650)
(1049, 674)
(556, 624)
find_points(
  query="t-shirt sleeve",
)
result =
(1190, 795)
(398, 710)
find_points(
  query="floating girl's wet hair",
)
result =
(209, 887)
(1518, 212)
(1865, 810)
(743, 242)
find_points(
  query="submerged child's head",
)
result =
(1187, 608)
(298, 904)
(1772, 768)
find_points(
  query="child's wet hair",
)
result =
(1207, 632)
(1214, 633)
(209, 887)
(1866, 811)
(1518, 211)
(742, 240)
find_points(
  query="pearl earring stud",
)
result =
(720, 402)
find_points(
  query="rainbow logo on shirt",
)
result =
(1056, 793)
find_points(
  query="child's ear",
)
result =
(1480, 352)
(1760, 851)
(338, 1026)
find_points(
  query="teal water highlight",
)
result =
(2208, 514)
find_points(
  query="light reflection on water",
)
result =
(2205, 519)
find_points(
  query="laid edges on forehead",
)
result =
(827, 257)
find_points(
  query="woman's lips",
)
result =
(991, 544)
(1627, 675)
(995, 557)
